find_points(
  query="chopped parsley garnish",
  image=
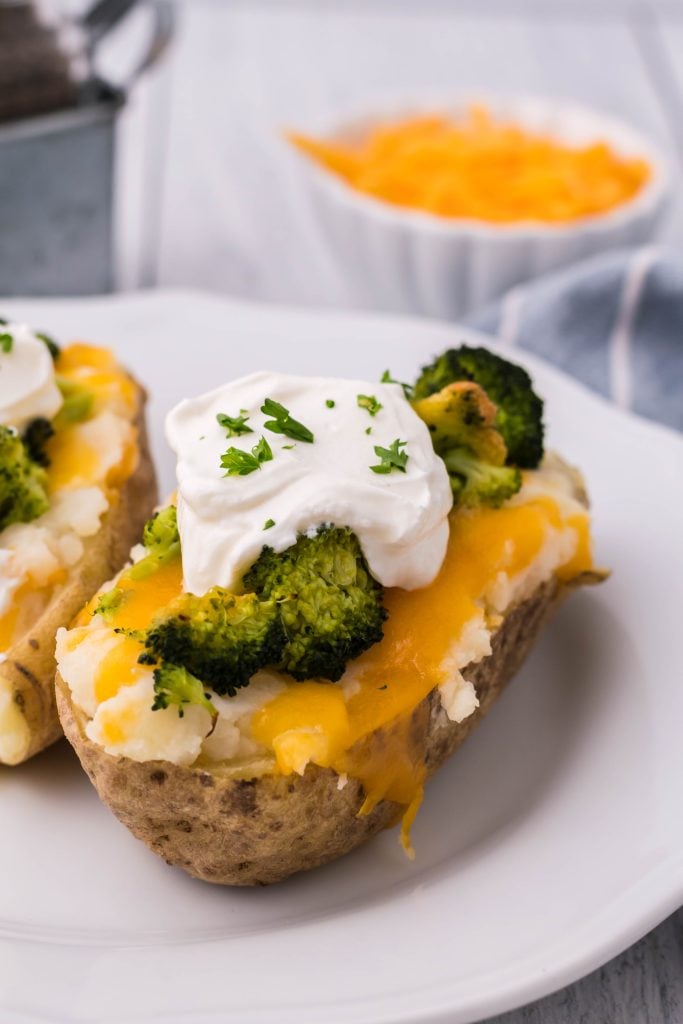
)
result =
(330, 403)
(234, 425)
(262, 450)
(370, 403)
(288, 447)
(386, 378)
(6, 341)
(237, 462)
(368, 430)
(283, 423)
(268, 523)
(391, 458)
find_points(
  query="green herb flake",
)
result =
(368, 430)
(234, 425)
(370, 403)
(288, 447)
(391, 458)
(6, 341)
(386, 378)
(268, 524)
(330, 403)
(283, 423)
(237, 462)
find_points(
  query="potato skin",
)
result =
(29, 669)
(259, 831)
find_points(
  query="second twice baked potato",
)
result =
(76, 486)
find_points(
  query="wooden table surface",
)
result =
(205, 200)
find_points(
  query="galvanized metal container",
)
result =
(56, 189)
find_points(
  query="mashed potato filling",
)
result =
(496, 558)
(89, 460)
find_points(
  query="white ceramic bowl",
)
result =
(411, 261)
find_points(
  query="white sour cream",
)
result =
(27, 379)
(400, 518)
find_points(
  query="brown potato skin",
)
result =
(30, 666)
(259, 831)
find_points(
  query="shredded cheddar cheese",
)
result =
(480, 167)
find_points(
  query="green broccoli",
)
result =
(307, 611)
(479, 483)
(23, 482)
(35, 437)
(173, 684)
(162, 540)
(462, 423)
(109, 603)
(77, 404)
(221, 638)
(520, 410)
(329, 604)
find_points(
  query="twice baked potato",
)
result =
(77, 486)
(249, 730)
(240, 827)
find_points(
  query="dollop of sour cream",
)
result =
(400, 518)
(27, 378)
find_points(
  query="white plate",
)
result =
(551, 842)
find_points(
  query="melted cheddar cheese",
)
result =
(142, 599)
(371, 726)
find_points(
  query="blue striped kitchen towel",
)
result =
(615, 321)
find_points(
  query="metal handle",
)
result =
(102, 17)
(163, 15)
(105, 14)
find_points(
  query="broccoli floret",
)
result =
(173, 684)
(479, 483)
(162, 540)
(221, 638)
(109, 603)
(520, 410)
(329, 604)
(77, 404)
(23, 482)
(36, 436)
(462, 415)
(461, 420)
(307, 611)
